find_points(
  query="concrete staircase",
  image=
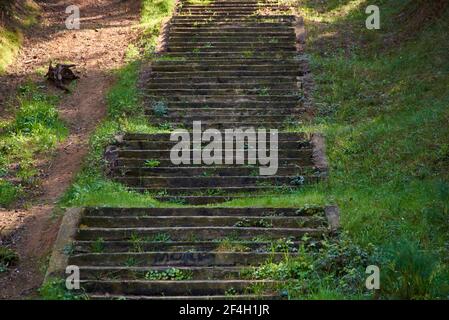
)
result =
(229, 64)
(195, 253)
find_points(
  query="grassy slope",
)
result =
(10, 35)
(384, 110)
(385, 116)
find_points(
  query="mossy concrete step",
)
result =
(224, 87)
(166, 162)
(180, 246)
(175, 112)
(230, 98)
(215, 171)
(231, 105)
(156, 154)
(217, 28)
(231, 38)
(196, 233)
(172, 288)
(251, 34)
(200, 200)
(204, 211)
(249, 297)
(212, 182)
(200, 221)
(282, 136)
(229, 125)
(224, 67)
(136, 273)
(232, 54)
(173, 259)
(241, 14)
(168, 61)
(225, 191)
(218, 80)
(228, 73)
(206, 117)
(168, 145)
(251, 47)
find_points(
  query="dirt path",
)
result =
(99, 46)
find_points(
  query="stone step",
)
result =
(215, 171)
(202, 200)
(136, 273)
(200, 221)
(228, 33)
(194, 298)
(223, 93)
(217, 28)
(180, 246)
(235, 112)
(181, 183)
(232, 54)
(168, 145)
(166, 162)
(209, 120)
(203, 211)
(237, 16)
(282, 136)
(202, 40)
(218, 125)
(197, 233)
(227, 73)
(231, 105)
(227, 67)
(169, 61)
(221, 191)
(218, 80)
(171, 288)
(235, 99)
(225, 87)
(172, 259)
(228, 46)
(156, 154)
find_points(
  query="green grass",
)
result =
(35, 129)
(11, 36)
(383, 110)
(8, 258)
(9, 46)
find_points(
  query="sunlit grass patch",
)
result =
(34, 129)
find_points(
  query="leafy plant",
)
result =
(169, 274)
(8, 258)
(55, 289)
(160, 109)
(98, 245)
(153, 163)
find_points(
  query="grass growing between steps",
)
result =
(92, 187)
(382, 101)
(34, 129)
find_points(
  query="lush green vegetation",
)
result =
(8, 258)
(34, 129)
(381, 100)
